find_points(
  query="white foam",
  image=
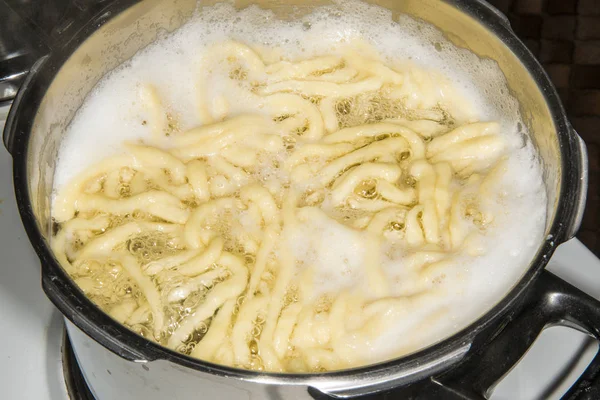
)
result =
(112, 113)
(335, 253)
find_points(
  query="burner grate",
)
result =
(77, 388)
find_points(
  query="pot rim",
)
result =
(95, 323)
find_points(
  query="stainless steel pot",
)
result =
(119, 364)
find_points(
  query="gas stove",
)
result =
(35, 357)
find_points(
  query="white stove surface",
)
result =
(31, 329)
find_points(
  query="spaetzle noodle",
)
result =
(214, 240)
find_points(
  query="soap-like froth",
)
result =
(174, 66)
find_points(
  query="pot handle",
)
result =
(9, 127)
(77, 16)
(552, 301)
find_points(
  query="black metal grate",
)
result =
(77, 388)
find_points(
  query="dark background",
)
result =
(565, 36)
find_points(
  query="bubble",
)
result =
(151, 246)
(142, 330)
(249, 259)
(396, 226)
(367, 189)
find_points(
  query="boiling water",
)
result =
(467, 88)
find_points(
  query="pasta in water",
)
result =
(304, 212)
